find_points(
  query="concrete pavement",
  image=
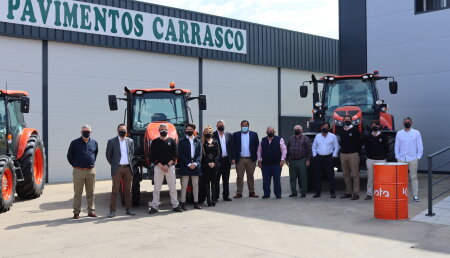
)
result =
(247, 227)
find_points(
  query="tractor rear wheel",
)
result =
(33, 168)
(8, 184)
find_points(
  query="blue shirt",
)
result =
(82, 154)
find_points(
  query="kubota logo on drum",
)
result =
(382, 193)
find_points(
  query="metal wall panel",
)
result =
(266, 45)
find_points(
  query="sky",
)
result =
(318, 17)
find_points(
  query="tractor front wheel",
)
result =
(33, 168)
(8, 184)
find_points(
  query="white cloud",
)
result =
(318, 17)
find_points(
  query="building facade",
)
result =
(70, 55)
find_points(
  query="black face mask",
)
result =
(348, 123)
(208, 136)
(86, 134)
(375, 128)
(221, 128)
(163, 133)
(407, 125)
(270, 134)
(297, 132)
(122, 133)
(189, 133)
(324, 130)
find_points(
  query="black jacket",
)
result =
(184, 157)
(228, 142)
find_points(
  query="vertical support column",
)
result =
(45, 101)
(200, 91)
(430, 187)
(279, 101)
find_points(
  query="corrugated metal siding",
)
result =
(266, 45)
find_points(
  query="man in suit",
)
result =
(119, 153)
(225, 140)
(245, 148)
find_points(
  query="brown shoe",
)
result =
(345, 196)
(76, 215)
(253, 195)
(92, 214)
(355, 197)
(238, 195)
(368, 198)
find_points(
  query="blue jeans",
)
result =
(268, 172)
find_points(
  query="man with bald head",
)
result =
(271, 158)
(298, 158)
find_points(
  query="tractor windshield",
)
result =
(16, 122)
(159, 106)
(352, 92)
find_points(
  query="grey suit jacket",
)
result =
(113, 154)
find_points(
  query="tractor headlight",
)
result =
(379, 102)
(356, 121)
(338, 123)
(318, 104)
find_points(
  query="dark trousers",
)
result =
(224, 172)
(324, 164)
(123, 174)
(268, 172)
(209, 180)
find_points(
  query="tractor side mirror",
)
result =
(202, 102)
(112, 101)
(25, 104)
(393, 87)
(303, 91)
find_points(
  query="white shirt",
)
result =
(325, 145)
(408, 145)
(245, 145)
(191, 140)
(223, 144)
(123, 152)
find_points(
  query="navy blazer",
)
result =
(184, 157)
(228, 142)
(254, 143)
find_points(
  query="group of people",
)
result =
(205, 160)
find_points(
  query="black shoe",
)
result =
(346, 196)
(316, 196)
(197, 206)
(183, 206)
(293, 195)
(278, 197)
(209, 204)
(368, 198)
(333, 196)
(227, 199)
(216, 200)
(355, 197)
(152, 211)
(265, 197)
(213, 203)
(177, 209)
(303, 195)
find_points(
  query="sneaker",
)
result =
(368, 198)
(112, 214)
(177, 209)
(131, 212)
(152, 211)
(416, 198)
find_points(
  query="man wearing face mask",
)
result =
(350, 147)
(324, 149)
(245, 145)
(377, 147)
(164, 154)
(120, 155)
(409, 149)
(271, 158)
(298, 158)
(82, 155)
(225, 140)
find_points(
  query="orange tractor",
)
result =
(354, 95)
(146, 110)
(22, 156)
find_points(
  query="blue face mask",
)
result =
(244, 129)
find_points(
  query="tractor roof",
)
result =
(161, 90)
(342, 77)
(16, 93)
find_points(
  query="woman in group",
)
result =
(210, 159)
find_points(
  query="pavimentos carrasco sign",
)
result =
(104, 20)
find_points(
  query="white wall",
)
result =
(21, 68)
(416, 50)
(291, 103)
(240, 91)
(81, 78)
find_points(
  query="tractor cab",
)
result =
(354, 95)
